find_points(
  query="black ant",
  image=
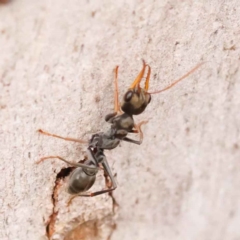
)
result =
(135, 102)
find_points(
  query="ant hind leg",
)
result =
(74, 164)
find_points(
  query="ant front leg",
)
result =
(136, 130)
(64, 138)
(109, 117)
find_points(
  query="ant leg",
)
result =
(126, 139)
(137, 130)
(64, 138)
(108, 183)
(74, 164)
(92, 194)
(109, 117)
(117, 107)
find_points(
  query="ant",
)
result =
(135, 101)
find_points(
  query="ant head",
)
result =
(136, 98)
(135, 101)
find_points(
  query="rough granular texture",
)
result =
(56, 73)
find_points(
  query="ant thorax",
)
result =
(104, 140)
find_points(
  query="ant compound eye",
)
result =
(128, 96)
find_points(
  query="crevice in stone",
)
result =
(50, 227)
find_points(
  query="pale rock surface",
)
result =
(56, 63)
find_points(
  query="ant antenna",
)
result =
(178, 80)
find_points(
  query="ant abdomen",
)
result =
(80, 181)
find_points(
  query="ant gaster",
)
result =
(135, 102)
